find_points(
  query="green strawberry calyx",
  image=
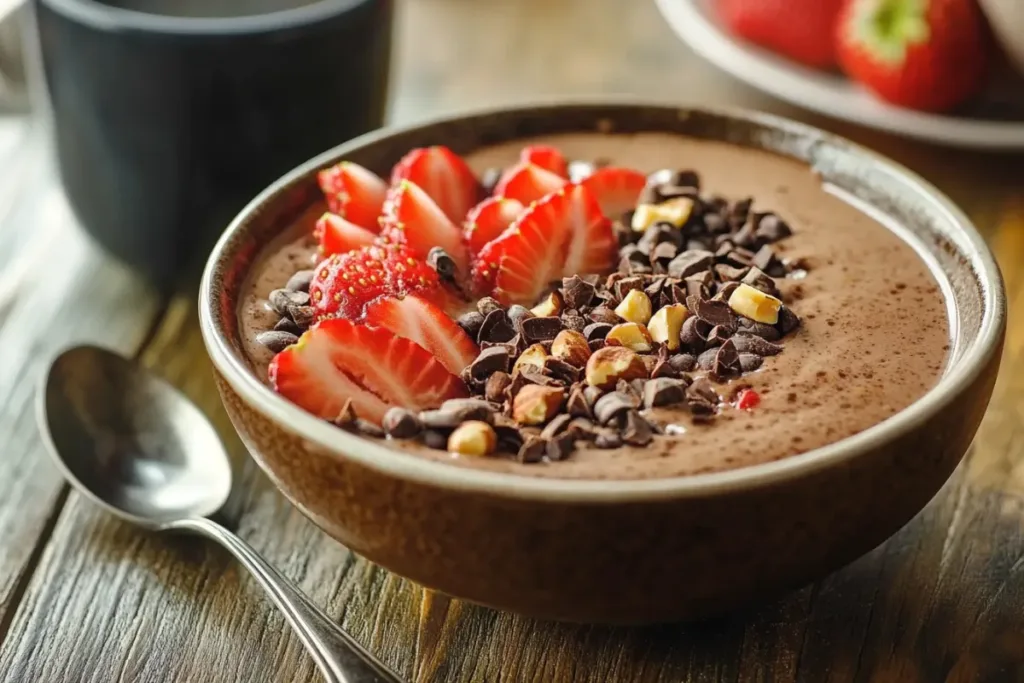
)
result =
(887, 28)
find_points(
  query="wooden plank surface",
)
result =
(938, 602)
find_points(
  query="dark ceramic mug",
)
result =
(166, 125)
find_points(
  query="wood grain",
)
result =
(940, 601)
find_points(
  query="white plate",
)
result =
(829, 94)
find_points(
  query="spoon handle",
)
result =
(341, 659)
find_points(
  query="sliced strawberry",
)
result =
(616, 189)
(417, 319)
(592, 246)
(338, 360)
(526, 183)
(487, 220)
(444, 176)
(547, 157)
(412, 218)
(344, 283)
(335, 235)
(354, 193)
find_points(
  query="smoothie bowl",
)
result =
(605, 362)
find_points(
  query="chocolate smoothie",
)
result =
(874, 334)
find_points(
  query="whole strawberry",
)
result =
(803, 30)
(930, 55)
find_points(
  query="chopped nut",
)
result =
(755, 304)
(550, 306)
(666, 325)
(534, 356)
(635, 307)
(535, 404)
(675, 211)
(632, 336)
(473, 438)
(572, 347)
(612, 363)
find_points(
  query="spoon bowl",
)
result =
(131, 441)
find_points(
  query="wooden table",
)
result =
(86, 598)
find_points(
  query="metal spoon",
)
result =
(136, 446)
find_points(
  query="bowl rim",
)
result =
(284, 414)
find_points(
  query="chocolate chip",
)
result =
(740, 257)
(664, 253)
(494, 359)
(471, 323)
(702, 389)
(690, 262)
(725, 290)
(628, 389)
(496, 327)
(715, 224)
(367, 428)
(517, 314)
(712, 312)
(634, 261)
(287, 325)
(510, 438)
(496, 386)
(591, 394)
(443, 263)
(627, 285)
(603, 314)
(531, 376)
(303, 316)
(596, 345)
(637, 431)
(698, 285)
(771, 228)
(750, 362)
(300, 281)
(664, 369)
(577, 405)
(745, 237)
(718, 335)
(682, 362)
(724, 249)
(706, 360)
(788, 321)
(488, 305)
(660, 233)
(559, 369)
(694, 333)
(281, 299)
(558, 424)
(757, 279)
(767, 332)
(764, 258)
(577, 323)
(727, 361)
(740, 211)
(400, 423)
(664, 391)
(533, 450)
(561, 447)
(435, 438)
(583, 428)
(577, 292)
(276, 341)
(440, 419)
(748, 343)
(541, 329)
(613, 404)
(728, 273)
(472, 408)
(607, 438)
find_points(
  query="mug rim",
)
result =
(343, 445)
(101, 16)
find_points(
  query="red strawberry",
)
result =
(526, 183)
(563, 234)
(616, 189)
(803, 30)
(411, 217)
(345, 283)
(547, 157)
(337, 360)
(487, 220)
(335, 235)
(418, 320)
(444, 176)
(354, 193)
(929, 55)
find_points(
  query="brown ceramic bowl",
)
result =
(620, 551)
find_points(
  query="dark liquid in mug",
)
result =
(208, 8)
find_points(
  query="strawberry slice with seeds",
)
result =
(616, 189)
(444, 176)
(344, 283)
(335, 235)
(527, 183)
(418, 320)
(337, 360)
(547, 157)
(412, 218)
(487, 220)
(592, 246)
(354, 193)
